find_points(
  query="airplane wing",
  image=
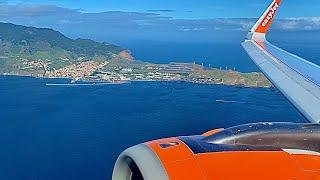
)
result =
(265, 147)
(297, 78)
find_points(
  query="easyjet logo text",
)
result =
(270, 15)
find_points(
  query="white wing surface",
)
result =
(297, 78)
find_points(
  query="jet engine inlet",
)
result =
(139, 163)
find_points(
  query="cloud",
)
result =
(161, 10)
(288, 25)
(192, 29)
(300, 24)
(148, 25)
(54, 15)
(23, 10)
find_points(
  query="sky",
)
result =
(169, 20)
(186, 9)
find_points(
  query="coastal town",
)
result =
(32, 52)
(122, 71)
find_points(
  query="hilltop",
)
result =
(22, 47)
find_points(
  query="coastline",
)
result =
(97, 83)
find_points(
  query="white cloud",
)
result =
(117, 24)
(299, 23)
(188, 29)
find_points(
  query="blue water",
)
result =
(224, 55)
(76, 132)
(217, 54)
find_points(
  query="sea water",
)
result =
(77, 132)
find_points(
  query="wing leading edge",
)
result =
(296, 78)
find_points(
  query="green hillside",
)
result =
(19, 44)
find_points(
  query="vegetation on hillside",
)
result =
(19, 44)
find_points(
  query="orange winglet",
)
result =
(266, 19)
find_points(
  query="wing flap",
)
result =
(305, 68)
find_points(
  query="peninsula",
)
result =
(41, 52)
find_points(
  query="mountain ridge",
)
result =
(21, 44)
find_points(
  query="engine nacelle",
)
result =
(253, 151)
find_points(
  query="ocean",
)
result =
(77, 132)
(224, 55)
(228, 55)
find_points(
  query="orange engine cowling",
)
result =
(253, 151)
